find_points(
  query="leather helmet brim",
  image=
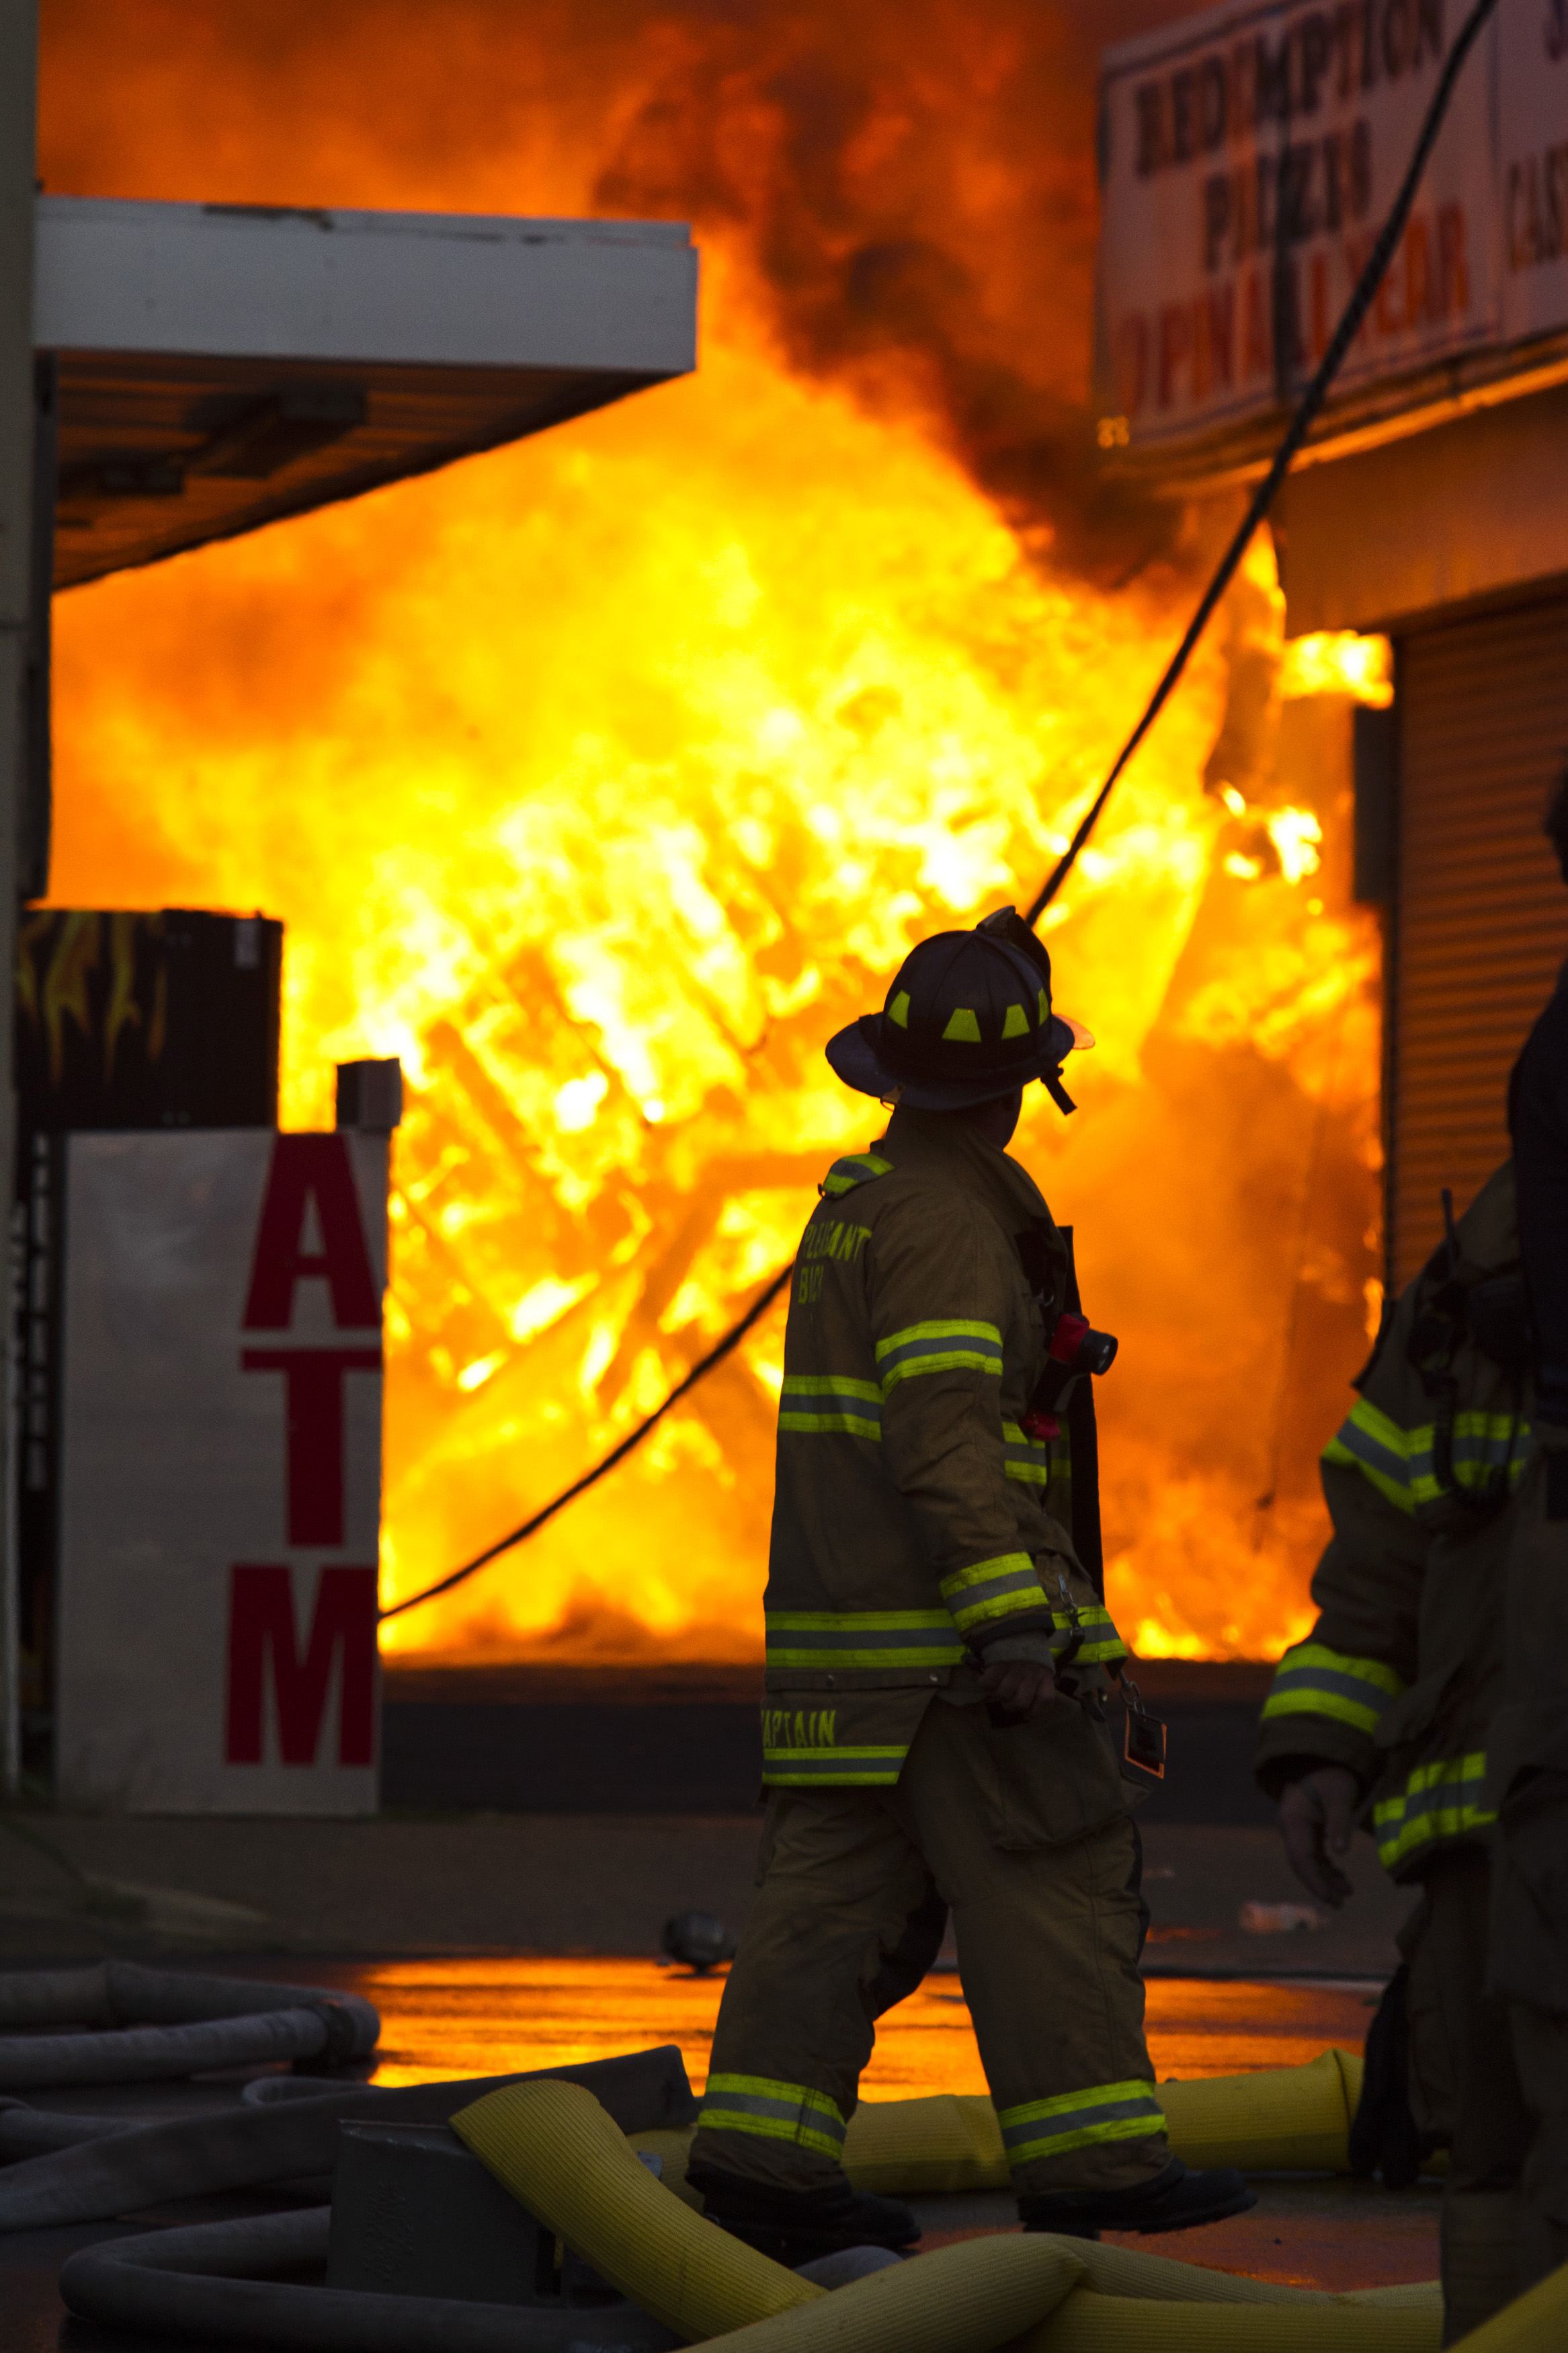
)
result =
(855, 1056)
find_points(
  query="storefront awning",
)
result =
(221, 367)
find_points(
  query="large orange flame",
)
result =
(600, 778)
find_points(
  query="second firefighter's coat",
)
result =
(1403, 1672)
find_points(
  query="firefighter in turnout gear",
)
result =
(1398, 1705)
(936, 1659)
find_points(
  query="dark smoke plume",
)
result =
(908, 185)
(913, 189)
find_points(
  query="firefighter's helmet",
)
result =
(967, 1018)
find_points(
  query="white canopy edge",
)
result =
(448, 290)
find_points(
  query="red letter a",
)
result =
(307, 1168)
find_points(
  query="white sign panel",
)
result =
(220, 1472)
(1249, 157)
(1532, 112)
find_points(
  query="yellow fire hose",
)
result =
(556, 2150)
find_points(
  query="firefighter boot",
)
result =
(1173, 2200)
(795, 2226)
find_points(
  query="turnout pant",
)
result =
(1488, 2074)
(1024, 1833)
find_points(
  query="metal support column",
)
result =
(18, 88)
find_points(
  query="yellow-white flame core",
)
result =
(1339, 661)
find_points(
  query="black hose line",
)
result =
(202, 2282)
(123, 2170)
(158, 2054)
(36, 2132)
(159, 2025)
(216, 2281)
(1302, 422)
(125, 1993)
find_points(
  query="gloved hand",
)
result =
(1021, 1687)
(1317, 1820)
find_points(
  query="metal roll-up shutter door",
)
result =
(1481, 925)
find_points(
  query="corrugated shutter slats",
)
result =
(1482, 919)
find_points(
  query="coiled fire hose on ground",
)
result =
(156, 2025)
(566, 2146)
(559, 2152)
(74, 2168)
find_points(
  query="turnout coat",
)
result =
(919, 1526)
(1403, 1675)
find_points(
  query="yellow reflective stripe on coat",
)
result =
(948, 1344)
(855, 1168)
(1400, 1462)
(1024, 1458)
(1071, 2120)
(1438, 1801)
(1484, 1444)
(773, 2111)
(991, 1589)
(861, 1638)
(1367, 1440)
(1312, 1680)
(866, 1767)
(800, 1747)
(815, 1402)
(1093, 1622)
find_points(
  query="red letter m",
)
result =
(261, 1628)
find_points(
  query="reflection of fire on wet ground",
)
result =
(461, 2017)
(600, 778)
